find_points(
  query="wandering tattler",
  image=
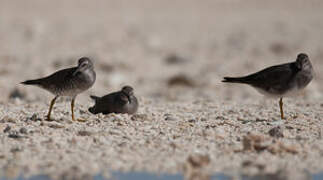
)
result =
(67, 82)
(281, 80)
(123, 101)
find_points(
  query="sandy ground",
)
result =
(174, 54)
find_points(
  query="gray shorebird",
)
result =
(67, 82)
(281, 80)
(123, 101)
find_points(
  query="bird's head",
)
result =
(303, 61)
(127, 91)
(84, 64)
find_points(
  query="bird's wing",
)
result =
(106, 103)
(120, 99)
(60, 76)
(272, 77)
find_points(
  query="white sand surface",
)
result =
(225, 127)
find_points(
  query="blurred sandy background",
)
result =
(174, 53)
(130, 42)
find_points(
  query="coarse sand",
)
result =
(174, 54)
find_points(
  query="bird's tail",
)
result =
(93, 109)
(32, 82)
(95, 98)
(234, 80)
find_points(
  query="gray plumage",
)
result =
(281, 80)
(123, 101)
(67, 82)
(70, 81)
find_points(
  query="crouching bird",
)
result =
(123, 101)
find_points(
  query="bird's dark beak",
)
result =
(299, 65)
(77, 70)
(129, 99)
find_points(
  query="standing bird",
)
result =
(123, 101)
(281, 80)
(67, 82)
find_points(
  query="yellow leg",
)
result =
(51, 107)
(72, 108)
(281, 108)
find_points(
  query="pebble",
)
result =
(276, 132)
(198, 160)
(34, 117)
(84, 133)
(23, 130)
(7, 129)
(15, 135)
(7, 119)
(55, 125)
(16, 149)
(141, 117)
(169, 117)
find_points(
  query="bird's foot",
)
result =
(48, 118)
(80, 120)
